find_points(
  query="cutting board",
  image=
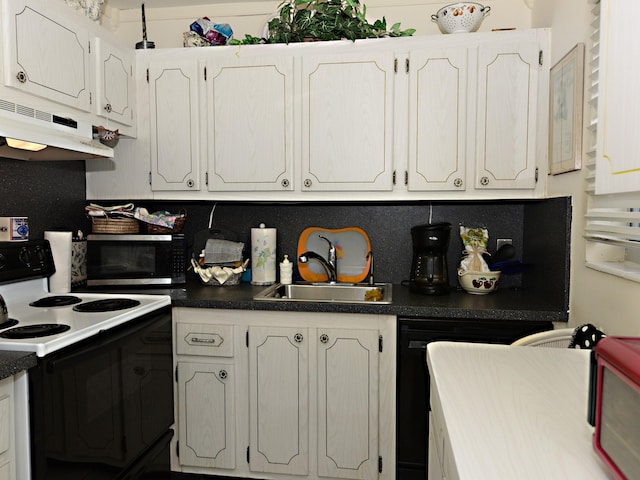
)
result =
(352, 246)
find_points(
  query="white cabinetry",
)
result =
(314, 394)
(438, 145)
(174, 98)
(347, 121)
(7, 430)
(348, 370)
(475, 115)
(114, 83)
(618, 143)
(45, 54)
(506, 120)
(279, 399)
(250, 123)
(206, 395)
(433, 117)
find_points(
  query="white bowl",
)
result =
(460, 17)
(478, 283)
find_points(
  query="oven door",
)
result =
(98, 406)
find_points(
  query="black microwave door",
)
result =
(114, 259)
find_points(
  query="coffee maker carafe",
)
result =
(429, 273)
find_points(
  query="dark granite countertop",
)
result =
(504, 304)
(14, 362)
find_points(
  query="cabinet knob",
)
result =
(223, 374)
(324, 338)
(298, 337)
(307, 182)
(284, 183)
(190, 183)
(457, 182)
(22, 77)
(108, 108)
(484, 181)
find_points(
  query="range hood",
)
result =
(62, 138)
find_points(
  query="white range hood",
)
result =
(62, 138)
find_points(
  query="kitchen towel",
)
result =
(263, 255)
(60, 282)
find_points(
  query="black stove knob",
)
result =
(3, 261)
(41, 256)
(25, 256)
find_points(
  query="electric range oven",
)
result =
(99, 402)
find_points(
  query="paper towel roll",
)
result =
(60, 282)
(263, 255)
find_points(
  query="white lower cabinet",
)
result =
(347, 371)
(7, 431)
(279, 399)
(285, 394)
(207, 428)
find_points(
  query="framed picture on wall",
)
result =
(566, 88)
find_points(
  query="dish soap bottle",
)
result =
(286, 271)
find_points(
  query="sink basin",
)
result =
(328, 292)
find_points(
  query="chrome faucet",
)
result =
(371, 279)
(329, 264)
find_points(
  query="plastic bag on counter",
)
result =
(475, 241)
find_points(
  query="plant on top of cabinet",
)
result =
(298, 20)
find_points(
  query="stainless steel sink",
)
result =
(328, 292)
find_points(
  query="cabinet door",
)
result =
(250, 124)
(174, 119)
(347, 120)
(206, 409)
(348, 403)
(7, 427)
(115, 92)
(279, 400)
(45, 55)
(618, 143)
(438, 119)
(507, 114)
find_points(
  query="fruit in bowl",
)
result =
(478, 283)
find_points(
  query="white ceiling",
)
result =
(135, 4)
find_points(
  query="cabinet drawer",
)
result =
(204, 339)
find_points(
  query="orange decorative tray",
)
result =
(352, 246)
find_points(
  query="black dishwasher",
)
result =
(413, 377)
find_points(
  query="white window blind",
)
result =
(612, 221)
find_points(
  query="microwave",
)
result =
(616, 388)
(136, 259)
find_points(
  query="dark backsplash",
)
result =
(52, 195)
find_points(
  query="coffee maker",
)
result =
(429, 273)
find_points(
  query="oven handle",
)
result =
(104, 338)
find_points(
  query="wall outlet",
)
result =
(503, 241)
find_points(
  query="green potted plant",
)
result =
(310, 20)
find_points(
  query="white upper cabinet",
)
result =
(347, 121)
(250, 124)
(618, 143)
(435, 117)
(506, 120)
(114, 83)
(175, 122)
(45, 54)
(438, 79)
